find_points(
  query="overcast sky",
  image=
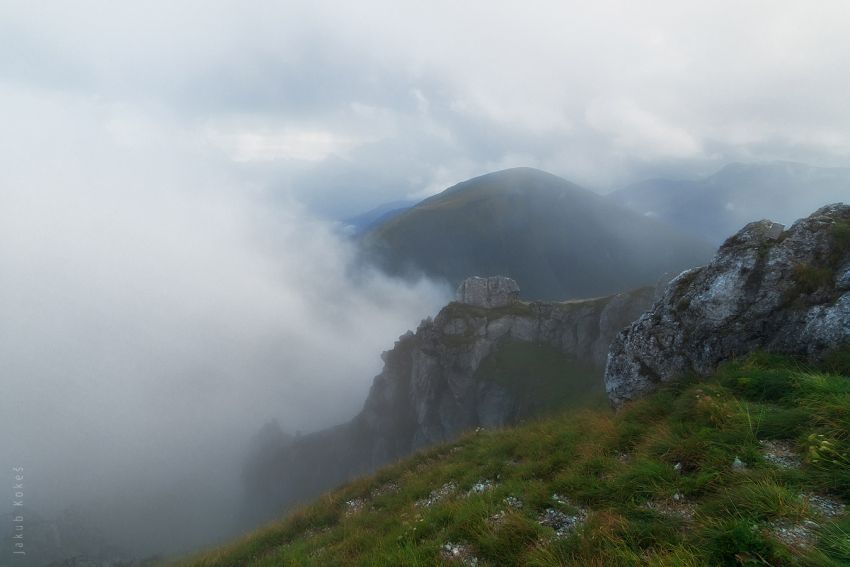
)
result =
(166, 281)
(349, 104)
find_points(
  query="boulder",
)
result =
(489, 293)
(780, 291)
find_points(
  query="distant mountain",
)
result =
(555, 238)
(364, 221)
(716, 206)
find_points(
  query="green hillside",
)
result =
(751, 467)
(558, 239)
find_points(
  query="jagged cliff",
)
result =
(485, 360)
(784, 291)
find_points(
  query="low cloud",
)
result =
(158, 309)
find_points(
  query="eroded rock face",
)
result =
(781, 291)
(430, 390)
(490, 293)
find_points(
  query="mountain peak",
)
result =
(563, 240)
(516, 180)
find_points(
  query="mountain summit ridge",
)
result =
(557, 239)
(716, 206)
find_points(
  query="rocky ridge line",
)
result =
(431, 390)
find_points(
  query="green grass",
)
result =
(620, 470)
(841, 234)
(809, 279)
(820, 277)
(542, 379)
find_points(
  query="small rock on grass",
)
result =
(481, 487)
(562, 523)
(460, 553)
(798, 536)
(780, 453)
(824, 505)
(354, 506)
(437, 495)
(675, 507)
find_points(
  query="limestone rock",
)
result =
(489, 293)
(429, 390)
(843, 281)
(781, 291)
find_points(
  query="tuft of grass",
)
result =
(540, 379)
(757, 500)
(653, 484)
(809, 279)
(837, 360)
(835, 542)
(841, 234)
(735, 542)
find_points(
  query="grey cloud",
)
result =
(156, 313)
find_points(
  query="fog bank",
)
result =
(157, 309)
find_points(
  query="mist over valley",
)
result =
(253, 254)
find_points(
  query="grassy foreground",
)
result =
(751, 467)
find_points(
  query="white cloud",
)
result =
(290, 144)
(157, 310)
(635, 130)
(472, 81)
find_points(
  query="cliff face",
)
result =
(767, 288)
(435, 376)
(470, 366)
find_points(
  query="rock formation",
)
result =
(490, 293)
(782, 291)
(441, 381)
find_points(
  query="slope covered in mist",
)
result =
(716, 206)
(729, 448)
(683, 477)
(555, 238)
(467, 367)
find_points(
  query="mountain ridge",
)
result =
(720, 453)
(559, 240)
(716, 206)
(467, 367)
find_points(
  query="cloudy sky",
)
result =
(167, 278)
(349, 104)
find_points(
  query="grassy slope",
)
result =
(542, 379)
(619, 470)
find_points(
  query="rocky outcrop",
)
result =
(782, 291)
(490, 293)
(441, 381)
(444, 392)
